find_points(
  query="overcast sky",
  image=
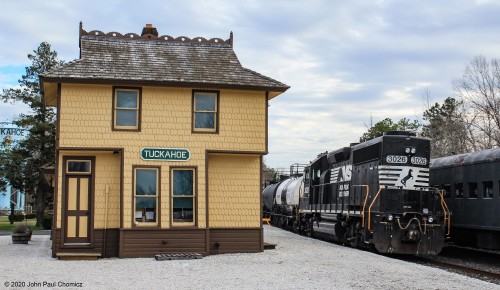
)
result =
(345, 61)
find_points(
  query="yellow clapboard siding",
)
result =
(234, 191)
(86, 121)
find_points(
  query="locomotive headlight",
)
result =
(410, 150)
(425, 210)
(390, 217)
(430, 219)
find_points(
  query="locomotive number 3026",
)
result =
(418, 160)
(396, 159)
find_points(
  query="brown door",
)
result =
(78, 178)
(77, 209)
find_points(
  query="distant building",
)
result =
(10, 134)
(159, 147)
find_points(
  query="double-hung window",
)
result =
(183, 196)
(146, 196)
(126, 109)
(205, 112)
(472, 190)
(487, 189)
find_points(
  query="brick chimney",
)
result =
(149, 29)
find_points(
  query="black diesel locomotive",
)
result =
(374, 194)
(471, 185)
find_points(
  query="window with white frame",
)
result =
(205, 115)
(146, 196)
(126, 109)
(183, 196)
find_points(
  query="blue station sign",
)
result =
(165, 154)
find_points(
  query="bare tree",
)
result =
(479, 89)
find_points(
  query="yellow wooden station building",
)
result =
(160, 143)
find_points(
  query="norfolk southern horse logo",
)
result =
(407, 177)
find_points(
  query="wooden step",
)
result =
(78, 256)
(268, 246)
(178, 256)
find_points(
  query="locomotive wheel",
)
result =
(283, 223)
(310, 231)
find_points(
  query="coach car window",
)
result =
(459, 190)
(447, 190)
(472, 193)
(487, 189)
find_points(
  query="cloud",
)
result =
(346, 61)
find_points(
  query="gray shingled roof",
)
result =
(139, 61)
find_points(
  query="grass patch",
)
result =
(5, 224)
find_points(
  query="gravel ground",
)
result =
(296, 263)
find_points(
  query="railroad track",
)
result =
(493, 277)
(464, 261)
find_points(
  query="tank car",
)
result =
(471, 185)
(286, 201)
(374, 194)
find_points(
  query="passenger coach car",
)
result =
(471, 186)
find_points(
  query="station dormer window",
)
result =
(127, 109)
(205, 112)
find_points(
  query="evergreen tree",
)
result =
(447, 129)
(388, 125)
(21, 166)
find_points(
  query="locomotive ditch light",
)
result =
(430, 219)
(390, 217)
(425, 210)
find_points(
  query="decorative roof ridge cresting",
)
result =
(162, 38)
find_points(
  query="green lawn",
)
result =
(5, 224)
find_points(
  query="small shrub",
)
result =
(47, 222)
(31, 216)
(16, 218)
(21, 229)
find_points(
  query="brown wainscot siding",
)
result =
(112, 243)
(149, 242)
(224, 241)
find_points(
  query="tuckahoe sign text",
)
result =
(165, 154)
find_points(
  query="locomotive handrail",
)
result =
(446, 211)
(364, 204)
(370, 207)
